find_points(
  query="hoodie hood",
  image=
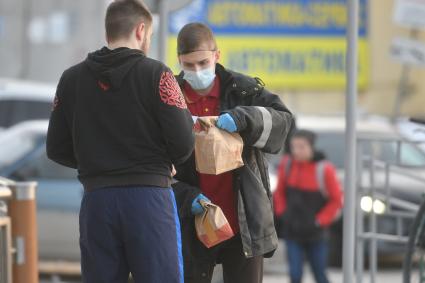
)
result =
(110, 67)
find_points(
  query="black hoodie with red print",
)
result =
(120, 119)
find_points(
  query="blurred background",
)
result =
(297, 47)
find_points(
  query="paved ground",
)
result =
(335, 276)
(276, 272)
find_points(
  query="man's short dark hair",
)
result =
(192, 36)
(122, 16)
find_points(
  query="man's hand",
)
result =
(173, 171)
(227, 123)
(196, 205)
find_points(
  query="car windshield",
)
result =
(333, 145)
(15, 111)
(13, 147)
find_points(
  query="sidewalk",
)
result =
(335, 276)
(275, 271)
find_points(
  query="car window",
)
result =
(410, 155)
(42, 168)
(15, 111)
(333, 145)
(15, 147)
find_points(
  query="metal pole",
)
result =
(373, 229)
(360, 218)
(163, 29)
(350, 153)
(403, 85)
(25, 43)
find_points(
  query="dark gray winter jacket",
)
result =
(264, 122)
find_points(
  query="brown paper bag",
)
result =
(212, 227)
(216, 151)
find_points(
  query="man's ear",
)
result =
(140, 31)
(217, 55)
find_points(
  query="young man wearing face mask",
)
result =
(246, 107)
(120, 118)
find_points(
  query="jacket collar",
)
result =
(193, 97)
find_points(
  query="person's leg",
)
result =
(202, 275)
(102, 249)
(295, 255)
(236, 267)
(152, 234)
(317, 257)
(199, 261)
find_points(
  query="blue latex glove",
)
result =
(226, 122)
(196, 205)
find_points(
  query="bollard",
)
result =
(22, 211)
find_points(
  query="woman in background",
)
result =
(307, 200)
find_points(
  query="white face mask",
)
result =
(201, 79)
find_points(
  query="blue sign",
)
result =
(270, 17)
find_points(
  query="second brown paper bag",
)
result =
(216, 151)
(212, 226)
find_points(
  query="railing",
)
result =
(5, 236)
(376, 191)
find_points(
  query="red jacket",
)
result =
(303, 177)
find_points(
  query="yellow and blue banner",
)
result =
(290, 44)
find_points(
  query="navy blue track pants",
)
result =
(130, 230)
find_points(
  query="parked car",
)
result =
(23, 158)
(23, 100)
(406, 191)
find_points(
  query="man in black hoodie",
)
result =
(121, 120)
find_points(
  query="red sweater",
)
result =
(302, 176)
